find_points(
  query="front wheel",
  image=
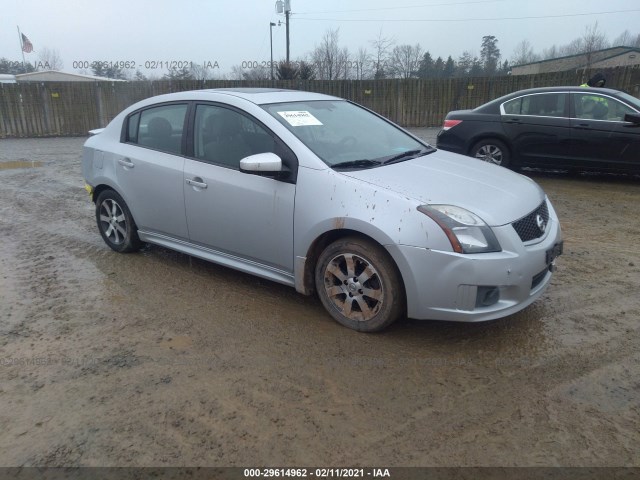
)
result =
(492, 151)
(115, 223)
(359, 285)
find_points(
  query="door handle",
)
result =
(196, 182)
(125, 162)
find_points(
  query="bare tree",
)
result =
(626, 39)
(139, 76)
(174, 73)
(381, 50)
(523, 53)
(199, 72)
(468, 65)
(330, 61)
(574, 47)
(592, 41)
(344, 64)
(405, 60)
(362, 64)
(259, 73)
(551, 52)
(49, 59)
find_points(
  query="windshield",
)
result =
(345, 135)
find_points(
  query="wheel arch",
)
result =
(305, 268)
(98, 189)
(513, 161)
(489, 136)
(102, 186)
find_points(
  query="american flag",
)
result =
(27, 46)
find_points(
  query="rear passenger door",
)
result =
(149, 168)
(539, 128)
(234, 213)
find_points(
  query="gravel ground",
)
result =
(159, 359)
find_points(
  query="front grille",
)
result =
(533, 225)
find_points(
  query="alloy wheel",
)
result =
(353, 286)
(490, 153)
(113, 221)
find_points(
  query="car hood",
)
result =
(496, 194)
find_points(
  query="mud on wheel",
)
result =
(115, 223)
(359, 284)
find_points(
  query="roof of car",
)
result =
(261, 96)
(492, 104)
(563, 89)
(257, 96)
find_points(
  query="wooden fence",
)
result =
(72, 108)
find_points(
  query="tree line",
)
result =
(329, 60)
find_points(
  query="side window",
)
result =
(513, 107)
(159, 128)
(599, 107)
(132, 128)
(225, 137)
(544, 105)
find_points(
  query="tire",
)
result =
(116, 224)
(359, 285)
(492, 151)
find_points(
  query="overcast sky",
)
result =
(229, 32)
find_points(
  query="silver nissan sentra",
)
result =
(321, 194)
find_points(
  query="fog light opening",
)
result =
(487, 296)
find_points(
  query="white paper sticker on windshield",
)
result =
(299, 119)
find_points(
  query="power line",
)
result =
(385, 20)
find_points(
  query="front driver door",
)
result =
(231, 212)
(601, 137)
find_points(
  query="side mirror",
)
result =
(633, 118)
(261, 164)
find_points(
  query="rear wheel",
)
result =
(492, 151)
(359, 284)
(115, 223)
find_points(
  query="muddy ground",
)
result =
(159, 359)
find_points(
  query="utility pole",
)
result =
(287, 11)
(284, 6)
(271, 25)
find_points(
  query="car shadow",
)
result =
(586, 176)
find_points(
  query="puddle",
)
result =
(19, 164)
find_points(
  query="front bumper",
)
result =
(450, 286)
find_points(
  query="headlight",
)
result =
(467, 232)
